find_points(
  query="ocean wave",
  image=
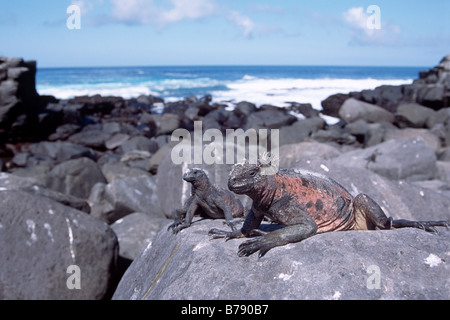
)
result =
(259, 91)
(125, 92)
(280, 92)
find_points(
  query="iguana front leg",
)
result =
(221, 204)
(250, 228)
(303, 227)
(180, 214)
(188, 219)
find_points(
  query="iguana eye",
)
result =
(252, 173)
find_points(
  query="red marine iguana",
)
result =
(306, 204)
(206, 200)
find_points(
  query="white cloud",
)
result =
(147, 12)
(357, 19)
(243, 22)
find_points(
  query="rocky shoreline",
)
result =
(89, 182)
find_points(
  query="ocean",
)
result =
(276, 85)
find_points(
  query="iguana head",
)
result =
(195, 176)
(247, 178)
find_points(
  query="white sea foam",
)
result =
(257, 90)
(68, 92)
(281, 91)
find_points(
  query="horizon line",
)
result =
(230, 65)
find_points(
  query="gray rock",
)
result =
(245, 108)
(353, 110)
(120, 170)
(14, 182)
(139, 143)
(293, 152)
(403, 159)
(135, 232)
(444, 154)
(432, 96)
(60, 151)
(431, 139)
(74, 177)
(116, 140)
(91, 136)
(269, 119)
(300, 130)
(412, 115)
(166, 123)
(125, 196)
(438, 117)
(40, 239)
(410, 263)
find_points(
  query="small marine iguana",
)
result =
(208, 200)
(306, 204)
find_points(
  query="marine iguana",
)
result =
(208, 200)
(306, 204)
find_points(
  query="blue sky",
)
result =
(218, 32)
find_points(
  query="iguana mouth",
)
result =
(236, 188)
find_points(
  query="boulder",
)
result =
(13, 182)
(395, 264)
(60, 151)
(139, 143)
(125, 196)
(269, 119)
(431, 139)
(292, 152)
(28, 185)
(332, 104)
(135, 232)
(166, 123)
(353, 110)
(412, 115)
(74, 177)
(39, 242)
(244, 108)
(402, 159)
(432, 96)
(91, 136)
(116, 140)
(300, 130)
(120, 170)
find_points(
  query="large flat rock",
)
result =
(394, 264)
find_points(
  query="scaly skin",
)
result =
(306, 204)
(206, 200)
